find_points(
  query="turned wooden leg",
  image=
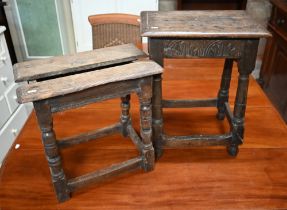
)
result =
(157, 121)
(246, 64)
(125, 117)
(45, 121)
(239, 113)
(155, 49)
(223, 93)
(146, 124)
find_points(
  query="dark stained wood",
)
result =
(203, 35)
(189, 103)
(205, 48)
(125, 117)
(280, 4)
(88, 96)
(145, 97)
(211, 4)
(134, 137)
(85, 137)
(196, 140)
(67, 92)
(63, 187)
(157, 118)
(229, 114)
(99, 175)
(273, 74)
(223, 93)
(36, 69)
(78, 82)
(201, 24)
(199, 178)
(45, 121)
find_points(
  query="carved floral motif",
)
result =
(202, 48)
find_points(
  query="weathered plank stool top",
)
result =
(232, 35)
(66, 82)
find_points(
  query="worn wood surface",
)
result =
(77, 90)
(201, 24)
(63, 186)
(36, 69)
(243, 51)
(75, 83)
(198, 178)
(44, 108)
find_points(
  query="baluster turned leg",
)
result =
(157, 121)
(239, 113)
(146, 124)
(246, 64)
(223, 93)
(125, 117)
(155, 49)
(45, 121)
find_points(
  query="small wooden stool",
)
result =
(67, 82)
(232, 35)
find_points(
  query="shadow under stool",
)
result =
(232, 35)
(66, 82)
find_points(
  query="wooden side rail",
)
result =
(135, 138)
(101, 174)
(196, 140)
(92, 135)
(189, 103)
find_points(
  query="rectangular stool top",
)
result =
(38, 69)
(201, 24)
(74, 83)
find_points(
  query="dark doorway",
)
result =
(3, 22)
(211, 4)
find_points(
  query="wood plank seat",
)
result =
(78, 82)
(86, 85)
(60, 65)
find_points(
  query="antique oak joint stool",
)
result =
(65, 82)
(232, 35)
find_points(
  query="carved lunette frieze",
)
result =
(203, 48)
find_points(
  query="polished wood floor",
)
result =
(190, 178)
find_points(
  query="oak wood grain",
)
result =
(202, 178)
(201, 24)
(36, 69)
(75, 83)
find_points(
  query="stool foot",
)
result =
(62, 196)
(232, 150)
(158, 153)
(148, 162)
(220, 116)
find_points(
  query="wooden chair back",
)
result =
(115, 29)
